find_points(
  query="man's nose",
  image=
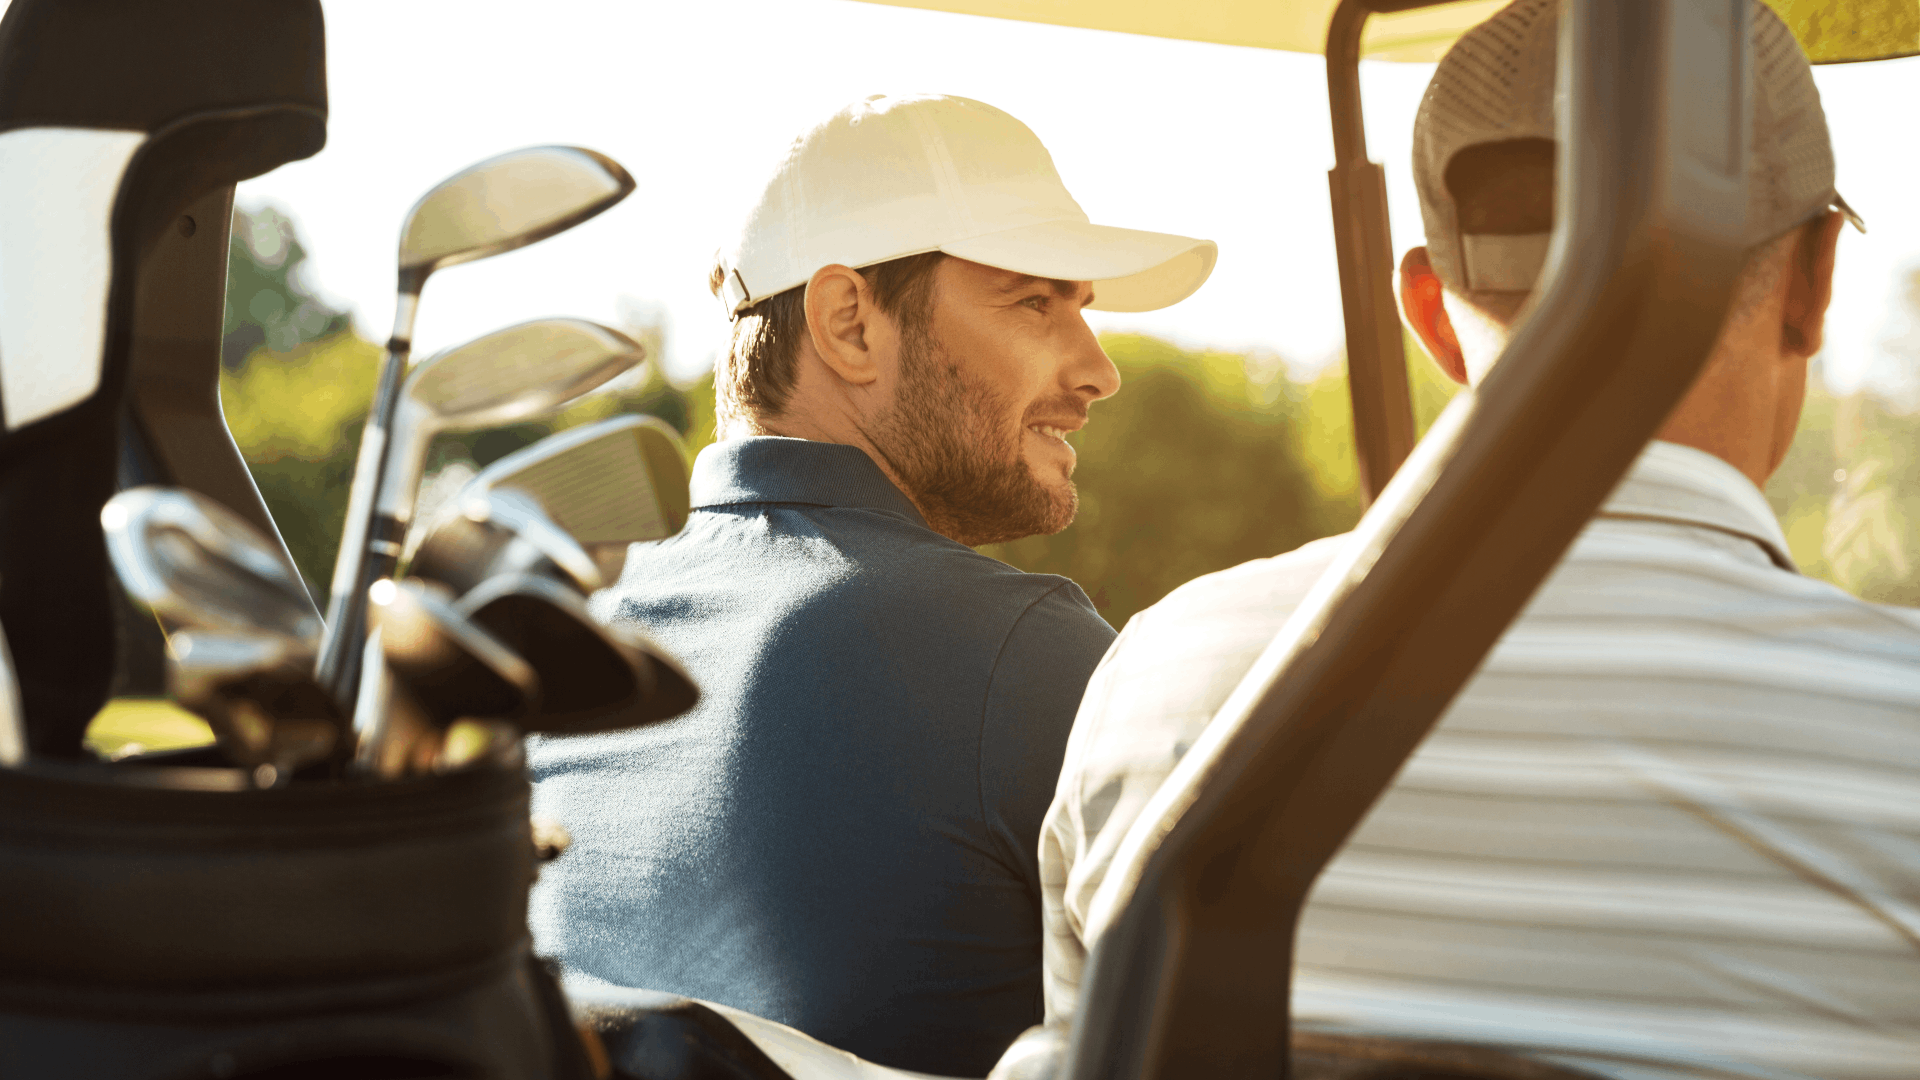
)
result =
(1088, 370)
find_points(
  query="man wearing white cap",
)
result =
(842, 836)
(1672, 826)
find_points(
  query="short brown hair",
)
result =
(755, 377)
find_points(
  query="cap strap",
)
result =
(733, 293)
(1853, 217)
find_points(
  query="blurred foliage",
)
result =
(1848, 495)
(269, 301)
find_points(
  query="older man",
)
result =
(842, 836)
(1672, 827)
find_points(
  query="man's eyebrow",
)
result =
(1061, 288)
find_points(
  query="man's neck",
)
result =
(801, 426)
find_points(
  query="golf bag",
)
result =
(165, 919)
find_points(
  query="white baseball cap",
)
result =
(1497, 84)
(893, 176)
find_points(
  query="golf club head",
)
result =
(257, 692)
(596, 678)
(197, 565)
(500, 204)
(521, 373)
(508, 202)
(610, 484)
(489, 533)
(449, 665)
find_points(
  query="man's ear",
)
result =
(840, 309)
(1803, 318)
(1420, 291)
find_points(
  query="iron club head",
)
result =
(610, 484)
(595, 678)
(197, 565)
(520, 373)
(450, 665)
(488, 533)
(256, 691)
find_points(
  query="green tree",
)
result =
(270, 302)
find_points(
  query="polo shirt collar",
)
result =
(773, 469)
(1686, 486)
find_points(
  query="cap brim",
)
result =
(1130, 270)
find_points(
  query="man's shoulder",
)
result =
(927, 568)
(1256, 596)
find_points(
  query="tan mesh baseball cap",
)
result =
(1497, 84)
(891, 176)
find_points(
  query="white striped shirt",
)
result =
(1671, 828)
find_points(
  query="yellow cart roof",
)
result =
(1832, 31)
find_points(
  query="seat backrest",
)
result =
(123, 128)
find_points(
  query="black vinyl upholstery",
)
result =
(224, 90)
(667, 1037)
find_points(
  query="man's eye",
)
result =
(1037, 303)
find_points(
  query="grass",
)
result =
(128, 725)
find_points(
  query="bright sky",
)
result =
(696, 98)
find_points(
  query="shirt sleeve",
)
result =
(1037, 682)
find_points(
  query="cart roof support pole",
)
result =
(1376, 356)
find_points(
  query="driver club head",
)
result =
(257, 692)
(448, 664)
(595, 678)
(488, 533)
(609, 484)
(521, 373)
(508, 202)
(197, 565)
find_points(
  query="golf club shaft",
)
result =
(369, 546)
(13, 722)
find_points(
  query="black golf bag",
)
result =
(158, 916)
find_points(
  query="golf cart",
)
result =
(366, 948)
(1191, 977)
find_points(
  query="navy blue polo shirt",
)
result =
(843, 836)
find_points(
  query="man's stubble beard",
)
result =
(943, 440)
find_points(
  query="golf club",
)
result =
(593, 678)
(195, 564)
(610, 484)
(443, 668)
(13, 723)
(489, 533)
(256, 691)
(520, 373)
(495, 206)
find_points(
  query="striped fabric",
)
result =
(1672, 828)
